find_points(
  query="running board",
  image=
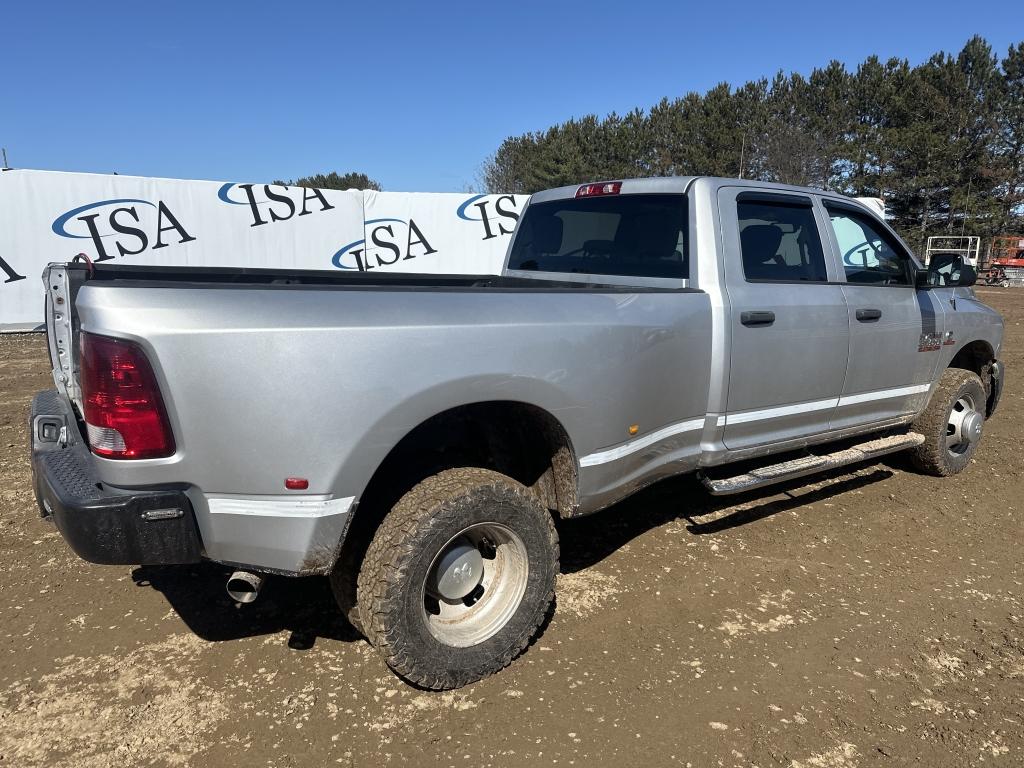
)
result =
(808, 465)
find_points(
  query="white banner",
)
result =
(47, 216)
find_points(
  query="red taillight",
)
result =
(124, 413)
(604, 188)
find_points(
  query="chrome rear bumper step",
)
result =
(807, 465)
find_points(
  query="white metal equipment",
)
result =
(967, 246)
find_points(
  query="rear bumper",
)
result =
(103, 524)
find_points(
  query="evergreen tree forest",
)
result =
(941, 142)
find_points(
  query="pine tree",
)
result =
(334, 180)
(941, 142)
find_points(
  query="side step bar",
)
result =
(807, 465)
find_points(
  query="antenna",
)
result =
(967, 207)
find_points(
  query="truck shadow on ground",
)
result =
(588, 540)
(305, 607)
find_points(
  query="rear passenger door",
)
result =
(893, 326)
(788, 319)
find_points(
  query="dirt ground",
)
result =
(873, 618)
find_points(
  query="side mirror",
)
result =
(946, 270)
(968, 276)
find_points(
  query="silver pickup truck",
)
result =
(413, 436)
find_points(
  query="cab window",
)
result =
(779, 241)
(640, 235)
(869, 253)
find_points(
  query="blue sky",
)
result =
(413, 94)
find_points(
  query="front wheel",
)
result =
(458, 577)
(951, 424)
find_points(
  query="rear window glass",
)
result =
(630, 235)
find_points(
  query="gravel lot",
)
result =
(875, 617)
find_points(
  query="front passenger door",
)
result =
(892, 324)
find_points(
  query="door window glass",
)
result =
(780, 242)
(870, 254)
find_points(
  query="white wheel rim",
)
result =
(963, 427)
(495, 594)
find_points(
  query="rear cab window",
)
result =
(633, 235)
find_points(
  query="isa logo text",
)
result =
(390, 241)
(123, 227)
(270, 203)
(497, 216)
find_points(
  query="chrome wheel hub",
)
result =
(964, 425)
(458, 572)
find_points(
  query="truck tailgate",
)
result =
(61, 285)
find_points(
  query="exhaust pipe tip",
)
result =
(244, 587)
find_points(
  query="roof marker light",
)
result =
(602, 188)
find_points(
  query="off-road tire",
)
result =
(932, 455)
(390, 598)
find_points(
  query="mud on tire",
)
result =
(399, 580)
(935, 456)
